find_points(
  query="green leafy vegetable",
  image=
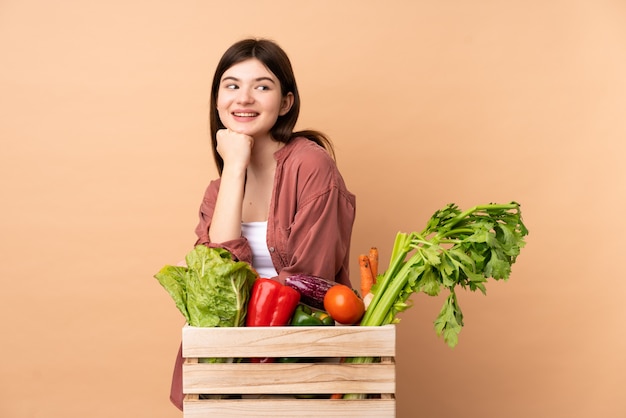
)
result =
(455, 249)
(213, 290)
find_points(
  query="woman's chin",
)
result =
(246, 130)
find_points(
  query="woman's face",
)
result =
(249, 99)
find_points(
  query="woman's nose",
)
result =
(245, 96)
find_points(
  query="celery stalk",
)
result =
(455, 249)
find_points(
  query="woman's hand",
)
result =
(234, 148)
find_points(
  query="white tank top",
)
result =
(256, 234)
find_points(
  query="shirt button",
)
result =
(271, 249)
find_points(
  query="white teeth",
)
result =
(245, 114)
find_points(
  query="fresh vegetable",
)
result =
(368, 266)
(366, 274)
(455, 249)
(373, 259)
(312, 288)
(344, 304)
(212, 290)
(271, 303)
(307, 316)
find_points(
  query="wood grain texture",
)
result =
(338, 341)
(268, 389)
(363, 408)
(289, 378)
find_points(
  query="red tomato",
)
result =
(343, 304)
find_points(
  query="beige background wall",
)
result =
(104, 158)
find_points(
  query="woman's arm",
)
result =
(235, 150)
(220, 213)
(238, 247)
(312, 218)
(226, 222)
(318, 241)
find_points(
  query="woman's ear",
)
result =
(286, 104)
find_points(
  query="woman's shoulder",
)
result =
(311, 167)
(303, 152)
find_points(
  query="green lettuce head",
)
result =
(213, 290)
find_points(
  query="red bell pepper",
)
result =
(271, 303)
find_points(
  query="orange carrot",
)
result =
(373, 256)
(367, 279)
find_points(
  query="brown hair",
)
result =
(277, 61)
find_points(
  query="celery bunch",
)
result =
(455, 249)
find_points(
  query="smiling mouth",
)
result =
(245, 114)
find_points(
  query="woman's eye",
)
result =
(263, 88)
(231, 86)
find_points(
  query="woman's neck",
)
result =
(262, 158)
(259, 181)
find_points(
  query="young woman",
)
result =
(280, 202)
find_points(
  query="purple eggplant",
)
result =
(312, 288)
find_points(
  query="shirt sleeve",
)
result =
(319, 238)
(239, 248)
(313, 216)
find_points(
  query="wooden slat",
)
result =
(337, 341)
(268, 388)
(366, 408)
(289, 378)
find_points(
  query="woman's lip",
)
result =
(244, 113)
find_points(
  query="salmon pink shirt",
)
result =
(310, 220)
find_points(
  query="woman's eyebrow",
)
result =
(265, 79)
(256, 79)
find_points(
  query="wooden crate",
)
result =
(269, 389)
